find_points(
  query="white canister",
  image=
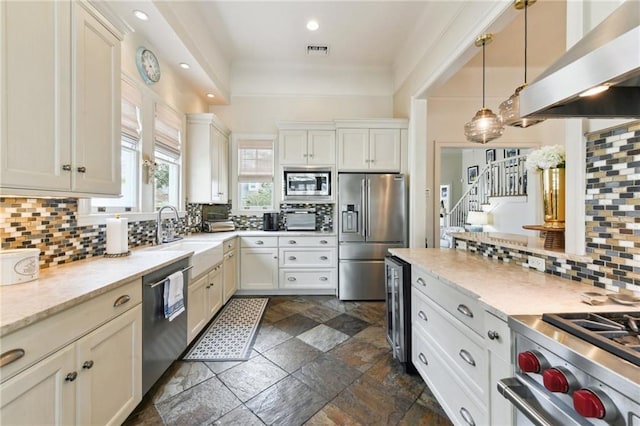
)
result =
(19, 265)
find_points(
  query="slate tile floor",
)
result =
(316, 361)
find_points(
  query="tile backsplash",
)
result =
(612, 216)
(52, 226)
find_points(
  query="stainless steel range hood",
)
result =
(609, 54)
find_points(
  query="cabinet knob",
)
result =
(259, 242)
(323, 258)
(291, 278)
(82, 169)
(87, 364)
(71, 377)
(324, 279)
(292, 241)
(292, 258)
(66, 167)
(493, 335)
(324, 242)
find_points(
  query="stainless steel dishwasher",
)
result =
(163, 341)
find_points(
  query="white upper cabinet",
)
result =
(58, 134)
(368, 145)
(207, 159)
(307, 146)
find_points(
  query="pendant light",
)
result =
(510, 109)
(485, 126)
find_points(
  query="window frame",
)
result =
(234, 175)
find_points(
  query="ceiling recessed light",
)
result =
(140, 15)
(594, 90)
(184, 65)
(312, 25)
(210, 95)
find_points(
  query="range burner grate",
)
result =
(609, 331)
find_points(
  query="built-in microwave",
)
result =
(307, 184)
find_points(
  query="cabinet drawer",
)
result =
(457, 400)
(461, 347)
(319, 241)
(307, 258)
(462, 306)
(44, 337)
(498, 338)
(259, 242)
(294, 278)
(229, 245)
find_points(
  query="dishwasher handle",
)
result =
(157, 283)
(516, 392)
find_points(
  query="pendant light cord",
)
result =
(484, 42)
(526, 3)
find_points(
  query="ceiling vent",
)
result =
(317, 50)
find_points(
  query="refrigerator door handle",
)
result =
(362, 208)
(368, 208)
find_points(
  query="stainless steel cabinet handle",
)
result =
(421, 282)
(422, 316)
(66, 167)
(493, 335)
(291, 278)
(292, 241)
(466, 356)
(121, 300)
(324, 258)
(292, 258)
(87, 364)
(324, 279)
(423, 359)
(71, 377)
(259, 242)
(324, 242)
(10, 356)
(464, 310)
(82, 169)
(466, 416)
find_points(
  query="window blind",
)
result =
(131, 107)
(167, 130)
(255, 161)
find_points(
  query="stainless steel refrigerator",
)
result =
(372, 218)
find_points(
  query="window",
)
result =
(255, 174)
(131, 106)
(167, 138)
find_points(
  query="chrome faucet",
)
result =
(171, 236)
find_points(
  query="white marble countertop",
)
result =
(506, 289)
(64, 286)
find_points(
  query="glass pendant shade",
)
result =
(484, 127)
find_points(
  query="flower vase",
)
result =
(553, 185)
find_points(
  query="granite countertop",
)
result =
(505, 289)
(64, 286)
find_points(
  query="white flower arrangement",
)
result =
(547, 157)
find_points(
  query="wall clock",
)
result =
(148, 65)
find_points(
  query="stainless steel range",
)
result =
(576, 369)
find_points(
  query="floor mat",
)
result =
(231, 335)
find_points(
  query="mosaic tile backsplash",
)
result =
(51, 225)
(612, 216)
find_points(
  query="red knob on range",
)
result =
(555, 380)
(528, 362)
(588, 404)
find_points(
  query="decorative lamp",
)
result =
(477, 220)
(485, 126)
(510, 109)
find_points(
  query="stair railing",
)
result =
(501, 178)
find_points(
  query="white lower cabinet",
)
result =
(460, 350)
(205, 300)
(259, 268)
(230, 274)
(94, 380)
(307, 279)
